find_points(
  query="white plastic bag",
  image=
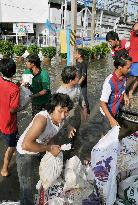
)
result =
(24, 97)
(74, 174)
(104, 165)
(49, 170)
(27, 78)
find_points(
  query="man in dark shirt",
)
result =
(82, 70)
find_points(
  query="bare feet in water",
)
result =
(4, 173)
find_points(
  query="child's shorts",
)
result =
(10, 139)
(134, 70)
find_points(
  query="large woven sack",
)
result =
(104, 165)
(128, 157)
(128, 190)
(49, 170)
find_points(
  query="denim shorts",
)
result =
(134, 70)
(10, 139)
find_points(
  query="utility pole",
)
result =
(73, 31)
(93, 24)
(125, 10)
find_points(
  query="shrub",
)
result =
(86, 52)
(63, 55)
(33, 48)
(19, 49)
(104, 49)
(6, 48)
(49, 52)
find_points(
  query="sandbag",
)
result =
(104, 165)
(129, 187)
(49, 170)
(128, 157)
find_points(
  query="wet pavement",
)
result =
(90, 132)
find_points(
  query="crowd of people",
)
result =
(56, 118)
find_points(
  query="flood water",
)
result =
(90, 132)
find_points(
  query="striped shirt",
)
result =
(112, 92)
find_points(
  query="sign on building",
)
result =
(23, 28)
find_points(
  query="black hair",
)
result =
(121, 58)
(81, 52)
(134, 24)
(59, 99)
(68, 73)
(34, 58)
(7, 67)
(111, 35)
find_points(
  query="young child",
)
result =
(133, 52)
(9, 103)
(114, 87)
(116, 44)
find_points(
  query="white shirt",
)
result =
(50, 130)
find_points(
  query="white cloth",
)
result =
(50, 130)
(27, 78)
(104, 165)
(74, 93)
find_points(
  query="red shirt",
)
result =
(124, 44)
(9, 99)
(133, 52)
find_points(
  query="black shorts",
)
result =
(10, 139)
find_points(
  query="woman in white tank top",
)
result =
(34, 141)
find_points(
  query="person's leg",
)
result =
(84, 93)
(11, 141)
(28, 169)
(7, 158)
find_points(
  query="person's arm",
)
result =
(41, 93)
(81, 80)
(30, 144)
(84, 74)
(126, 99)
(110, 118)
